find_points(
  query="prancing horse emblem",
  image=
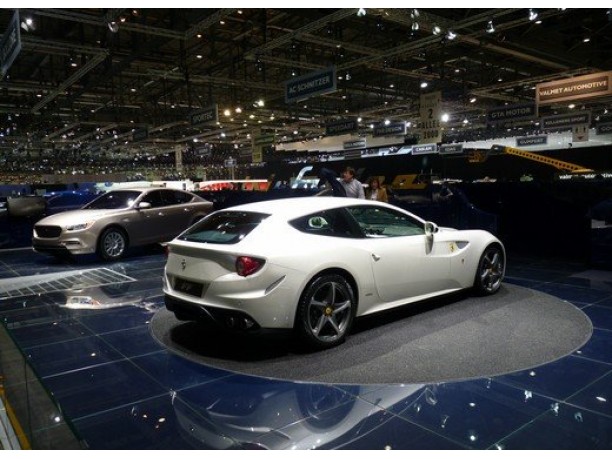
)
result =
(183, 264)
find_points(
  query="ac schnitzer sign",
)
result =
(313, 84)
(578, 88)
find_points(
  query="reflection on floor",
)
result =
(122, 390)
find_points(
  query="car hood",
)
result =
(75, 216)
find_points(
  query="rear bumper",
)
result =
(227, 318)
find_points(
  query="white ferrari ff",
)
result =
(314, 264)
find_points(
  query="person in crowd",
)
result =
(352, 186)
(376, 192)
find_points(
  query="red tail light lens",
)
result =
(245, 266)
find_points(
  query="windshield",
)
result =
(114, 200)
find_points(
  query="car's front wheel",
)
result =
(326, 311)
(490, 271)
(112, 244)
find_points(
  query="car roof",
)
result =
(295, 207)
(144, 189)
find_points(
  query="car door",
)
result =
(150, 225)
(178, 210)
(404, 263)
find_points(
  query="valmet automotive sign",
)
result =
(582, 87)
(313, 84)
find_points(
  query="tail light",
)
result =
(245, 266)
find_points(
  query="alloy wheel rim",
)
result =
(114, 244)
(329, 312)
(492, 270)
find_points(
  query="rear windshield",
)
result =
(224, 227)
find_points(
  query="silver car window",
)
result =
(120, 199)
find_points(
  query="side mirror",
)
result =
(430, 229)
(144, 205)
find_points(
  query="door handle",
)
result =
(375, 257)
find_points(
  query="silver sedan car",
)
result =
(119, 219)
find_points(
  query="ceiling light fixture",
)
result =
(359, 119)
(472, 100)
(113, 27)
(586, 39)
(424, 84)
(387, 122)
(490, 27)
(260, 103)
(361, 12)
(445, 117)
(415, 26)
(436, 30)
(227, 112)
(533, 14)
(451, 35)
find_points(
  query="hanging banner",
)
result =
(511, 113)
(565, 121)
(429, 123)
(313, 84)
(10, 45)
(345, 126)
(380, 130)
(577, 88)
(531, 140)
(206, 115)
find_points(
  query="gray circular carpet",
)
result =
(450, 338)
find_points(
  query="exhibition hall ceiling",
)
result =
(90, 79)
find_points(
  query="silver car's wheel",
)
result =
(490, 271)
(326, 311)
(112, 244)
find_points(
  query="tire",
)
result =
(326, 311)
(112, 244)
(490, 271)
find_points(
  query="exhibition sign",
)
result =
(424, 149)
(382, 130)
(10, 45)
(430, 112)
(577, 88)
(207, 115)
(451, 148)
(604, 128)
(531, 140)
(566, 121)
(312, 84)
(354, 144)
(344, 126)
(511, 113)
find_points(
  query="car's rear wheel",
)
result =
(326, 311)
(112, 244)
(490, 271)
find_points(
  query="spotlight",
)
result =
(361, 12)
(347, 76)
(451, 35)
(260, 103)
(424, 84)
(472, 100)
(533, 14)
(387, 122)
(436, 30)
(490, 27)
(359, 119)
(586, 39)
(227, 112)
(445, 117)
(113, 27)
(415, 26)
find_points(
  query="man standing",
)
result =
(352, 186)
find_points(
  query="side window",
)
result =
(381, 222)
(334, 222)
(172, 197)
(154, 198)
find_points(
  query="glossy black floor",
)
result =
(122, 390)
